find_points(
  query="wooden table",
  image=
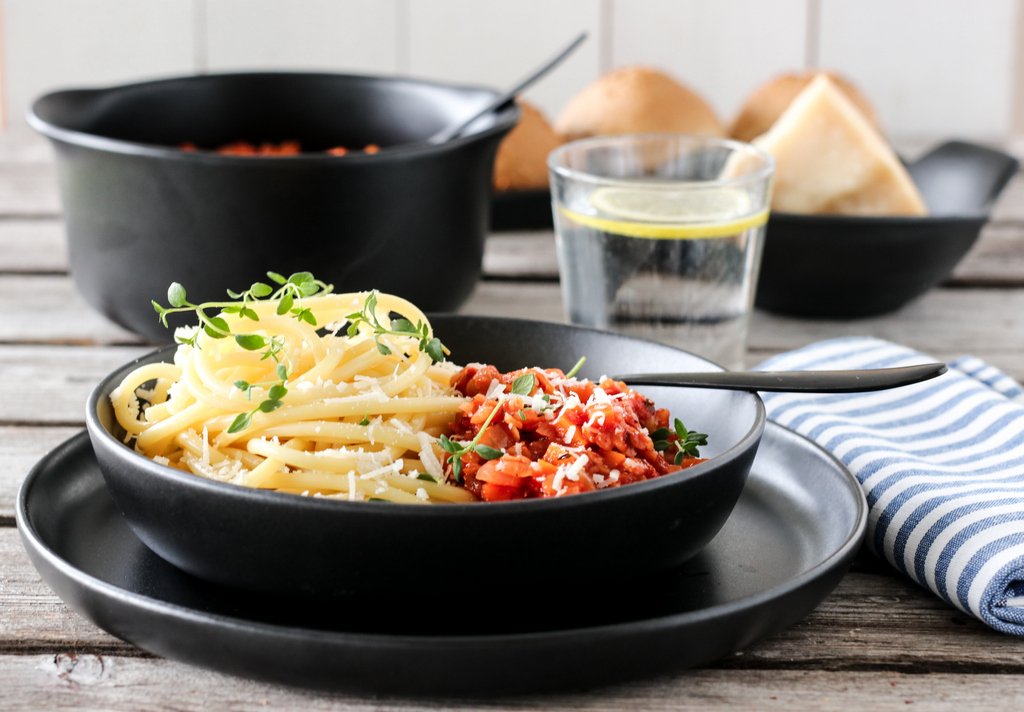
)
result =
(878, 642)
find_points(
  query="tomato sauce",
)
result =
(565, 436)
(269, 148)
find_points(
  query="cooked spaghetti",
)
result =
(356, 414)
(350, 396)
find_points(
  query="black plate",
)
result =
(796, 527)
(842, 266)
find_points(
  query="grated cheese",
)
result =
(495, 390)
(428, 458)
(570, 472)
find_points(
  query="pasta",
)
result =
(326, 406)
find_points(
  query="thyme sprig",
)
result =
(276, 391)
(288, 292)
(576, 369)
(685, 445)
(420, 331)
(297, 286)
(523, 385)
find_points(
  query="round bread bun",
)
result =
(766, 104)
(521, 163)
(637, 100)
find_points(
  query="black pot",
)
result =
(141, 213)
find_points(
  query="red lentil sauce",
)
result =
(269, 148)
(567, 436)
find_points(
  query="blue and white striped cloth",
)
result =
(941, 464)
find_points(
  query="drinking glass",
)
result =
(660, 236)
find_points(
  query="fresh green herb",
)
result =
(488, 453)
(685, 443)
(523, 385)
(576, 369)
(428, 344)
(274, 400)
(297, 286)
(289, 289)
(365, 421)
(426, 478)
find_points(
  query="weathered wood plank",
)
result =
(19, 144)
(48, 384)
(68, 680)
(31, 614)
(945, 322)
(48, 308)
(32, 245)
(1010, 207)
(20, 449)
(871, 621)
(29, 189)
(996, 259)
(38, 245)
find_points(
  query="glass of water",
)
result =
(660, 236)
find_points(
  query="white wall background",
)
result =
(934, 68)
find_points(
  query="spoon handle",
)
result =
(876, 379)
(447, 134)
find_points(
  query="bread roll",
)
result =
(763, 108)
(521, 163)
(636, 100)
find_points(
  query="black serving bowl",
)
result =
(835, 266)
(303, 546)
(141, 213)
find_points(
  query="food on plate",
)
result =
(637, 100)
(830, 159)
(269, 148)
(764, 107)
(521, 162)
(550, 434)
(293, 388)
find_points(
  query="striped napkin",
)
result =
(941, 464)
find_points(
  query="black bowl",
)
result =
(140, 213)
(836, 266)
(303, 546)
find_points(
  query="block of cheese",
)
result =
(830, 159)
(764, 107)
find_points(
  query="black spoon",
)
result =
(450, 132)
(876, 379)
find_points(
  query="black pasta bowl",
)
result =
(141, 213)
(836, 266)
(307, 547)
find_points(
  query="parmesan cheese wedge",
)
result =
(830, 159)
